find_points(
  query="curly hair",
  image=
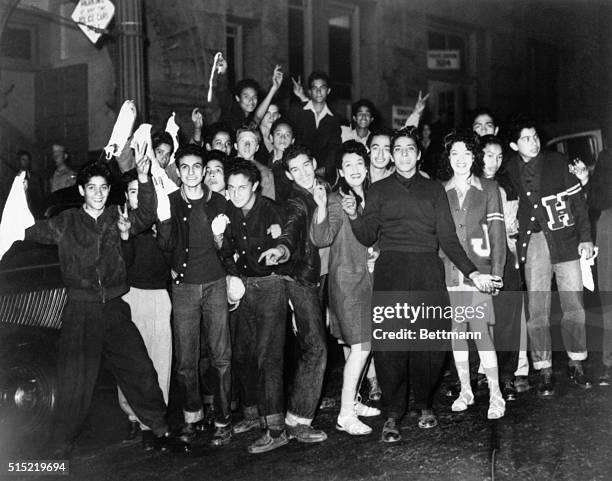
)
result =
(471, 141)
(93, 169)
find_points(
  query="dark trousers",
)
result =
(90, 331)
(508, 306)
(420, 277)
(308, 378)
(258, 353)
(200, 307)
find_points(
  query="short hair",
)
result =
(490, 140)
(382, 131)
(292, 152)
(352, 147)
(472, 143)
(216, 154)
(245, 129)
(282, 121)
(22, 152)
(162, 137)
(238, 165)
(93, 169)
(216, 128)
(516, 125)
(318, 75)
(246, 83)
(363, 103)
(477, 112)
(409, 132)
(189, 149)
(127, 177)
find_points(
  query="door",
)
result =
(62, 111)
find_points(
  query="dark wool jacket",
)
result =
(173, 234)
(90, 250)
(479, 222)
(247, 237)
(560, 207)
(304, 261)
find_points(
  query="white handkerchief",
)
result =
(219, 224)
(585, 269)
(141, 142)
(172, 128)
(16, 217)
(122, 129)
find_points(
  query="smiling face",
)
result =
(492, 158)
(353, 169)
(363, 117)
(271, 115)
(406, 156)
(191, 170)
(162, 154)
(380, 151)
(221, 141)
(132, 194)
(95, 193)
(214, 176)
(241, 191)
(461, 159)
(247, 144)
(247, 100)
(302, 171)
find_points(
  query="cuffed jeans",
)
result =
(151, 309)
(260, 346)
(202, 307)
(308, 381)
(538, 276)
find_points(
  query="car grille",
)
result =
(38, 308)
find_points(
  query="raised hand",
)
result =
(123, 223)
(580, 170)
(349, 204)
(298, 90)
(320, 195)
(197, 118)
(274, 231)
(163, 202)
(277, 77)
(220, 64)
(143, 164)
(421, 102)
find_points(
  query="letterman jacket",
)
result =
(560, 207)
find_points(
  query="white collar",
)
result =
(319, 116)
(472, 181)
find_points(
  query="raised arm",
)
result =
(327, 221)
(262, 108)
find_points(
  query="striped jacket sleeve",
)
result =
(497, 229)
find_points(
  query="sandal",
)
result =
(497, 407)
(365, 411)
(353, 426)
(427, 419)
(465, 399)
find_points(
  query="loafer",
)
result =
(222, 436)
(521, 384)
(148, 440)
(576, 375)
(390, 431)
(509, 391)
(268, 443)
(245, 425)
(132, 430)
(304, 433)
(169, 443)
(427, 419)
(605, 378)
(546, 387)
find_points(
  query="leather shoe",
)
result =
(509, 391)
(390, 431)
(188, 432)
(148, 440)
(546, 387)
(577, 377)
(605, 378)
(132, 430)
(169, 443)
(222, 436)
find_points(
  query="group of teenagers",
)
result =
(292, 222)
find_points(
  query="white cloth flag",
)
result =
(122, 129)
(142, 145)
(585, 269)
(16, 217)
(172, 128)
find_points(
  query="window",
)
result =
(234, 52)
(439, 40)
(300, 39)
(343, 26)
(17, 44)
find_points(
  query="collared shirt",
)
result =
(63, 177)
(351, 134)
(471, 182)
(319, 116)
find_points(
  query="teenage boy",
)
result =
(260, 338)
(220, 138)
(381, 160)
(554, 232)
(302, 288)
(282, 134)
(247, 145)
(199, 295)
(483, 122)
(362, 118)
(148, 271)
(318, 127)
(96, 322)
